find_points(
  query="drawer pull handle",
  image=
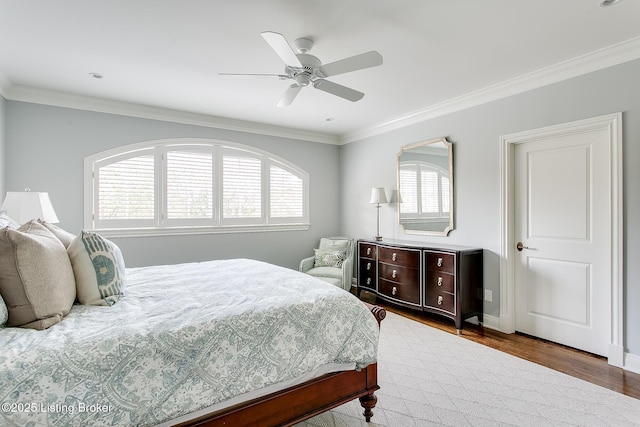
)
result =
(439, 299)
(394, 274)
(394, 257)
(368, 251)
(368, 280)
(439, 281)
(368, 266)
(439, 262)
(394, 290)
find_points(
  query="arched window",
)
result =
(424, 192)
(187, 186)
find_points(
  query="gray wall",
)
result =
(46, 147)
(475, 133)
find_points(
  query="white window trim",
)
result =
(162, 228)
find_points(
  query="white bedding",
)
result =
(183, 338)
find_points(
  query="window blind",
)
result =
(186, 186)
(430, 194)
(241, 187)
(409, 190)
(126, 189)
(286, 194)
(189, 184)
(445, 196)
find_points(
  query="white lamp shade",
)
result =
(378, 195)
(27, 205)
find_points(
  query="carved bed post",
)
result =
(369, 401)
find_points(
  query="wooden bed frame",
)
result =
(298, 403)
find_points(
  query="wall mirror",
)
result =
(425, 187)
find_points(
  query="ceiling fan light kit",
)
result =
(307, 70)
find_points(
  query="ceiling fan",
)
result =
(307, 70)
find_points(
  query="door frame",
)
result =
(612, 123)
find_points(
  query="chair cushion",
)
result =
(326, 272)
(332, 256)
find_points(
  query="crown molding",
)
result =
(607, 57)
(101, 105)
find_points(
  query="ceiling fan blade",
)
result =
(353, 63)
(289, 95)
(251, 75)
(282, 48)
(338, 90)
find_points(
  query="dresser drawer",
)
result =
(367, 282)
(438, 261)
(368, 273)
(401, 291)
(394, 273)
(368, 250)
(404, 257)
(438, 281)
(441, 300)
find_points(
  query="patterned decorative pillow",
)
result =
(4, 312)
(99, 269)
(64, 236)
(332, 256)
(6, 221)
(36, 278)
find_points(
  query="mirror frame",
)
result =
(450, 226)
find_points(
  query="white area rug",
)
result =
(432, 378)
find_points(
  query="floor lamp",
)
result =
(378, 197)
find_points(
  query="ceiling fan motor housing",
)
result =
(305, 75)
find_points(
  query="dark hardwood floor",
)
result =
(570, 361)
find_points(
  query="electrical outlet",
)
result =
(488, 295)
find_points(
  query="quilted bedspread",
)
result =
(184, 337)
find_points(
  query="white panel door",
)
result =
(563, 221)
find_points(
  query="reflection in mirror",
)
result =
(425, 187)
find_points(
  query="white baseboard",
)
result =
(632, 362)
(491, 322)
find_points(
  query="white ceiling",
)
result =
(168, 53)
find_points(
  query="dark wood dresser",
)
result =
(441, 279)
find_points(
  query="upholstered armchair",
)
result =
(332, 262)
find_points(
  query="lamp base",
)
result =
(378, 238)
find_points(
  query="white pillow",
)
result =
(6, 221)
(332, 256)
(99, 269)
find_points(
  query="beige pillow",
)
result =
(64, 236)
(99, 269)
(36, 278)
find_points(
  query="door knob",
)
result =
(520, 246)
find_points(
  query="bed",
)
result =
(227, 342)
